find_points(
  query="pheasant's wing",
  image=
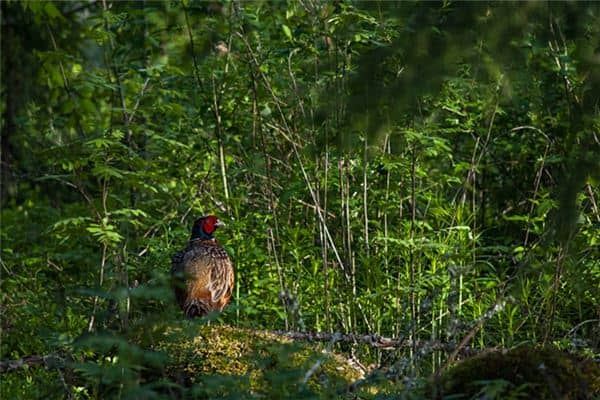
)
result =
(212, 273)
(177, 274)
(221, 278)
(177, 261)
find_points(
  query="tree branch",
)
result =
(377, 341)
(50, 361)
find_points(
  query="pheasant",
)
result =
(202, 272)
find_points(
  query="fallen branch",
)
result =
(372, 340)
(51, 361)
(380, 342)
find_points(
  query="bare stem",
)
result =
(100, 283)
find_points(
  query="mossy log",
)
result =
(223, 361)
(524, 372)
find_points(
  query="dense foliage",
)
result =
(424, 171)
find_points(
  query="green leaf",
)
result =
(73, 221)
(51, 10)
(105, 171)
(287, 31)
(266, 111)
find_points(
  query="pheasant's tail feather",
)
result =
(196, 308)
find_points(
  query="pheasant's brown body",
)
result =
(205, 277)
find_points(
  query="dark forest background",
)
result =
(425, 171)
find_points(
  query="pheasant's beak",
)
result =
(220, 224)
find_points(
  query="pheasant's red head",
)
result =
(204, 227)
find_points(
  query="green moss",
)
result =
(223, 361)
(525, 372)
